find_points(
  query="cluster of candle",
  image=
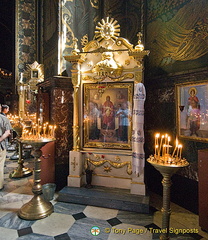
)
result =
(32, 129)
(4, 73)
(16, 120)
(16, 123)
(38, 131)
(162, 150)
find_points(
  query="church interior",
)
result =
(108, 104)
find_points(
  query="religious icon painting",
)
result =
(34, 74)
(107, 115)
(192, 111)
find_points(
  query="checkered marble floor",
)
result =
(81, 222)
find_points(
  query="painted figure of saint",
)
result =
(94, 115)
(193, 114)
(108, 121)
(123, 118)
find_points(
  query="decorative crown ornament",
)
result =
(107, 29)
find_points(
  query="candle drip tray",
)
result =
(166, 166)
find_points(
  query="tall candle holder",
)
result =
(37, 207)
(37, 136)
(21, 171)
(167, 164)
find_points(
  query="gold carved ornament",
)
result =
(108, 66)
(96, 79)
(113, 164)
(109, 30)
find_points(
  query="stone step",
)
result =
(98, 196)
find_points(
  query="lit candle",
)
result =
(36, 126)
(175, 147)
(156, 143)
(166, 138)
(50, 131)
(38, 122)
(54, 128)
(156, 138)
(39, 131)
(44, 131)
(168, 145)
(160, 145)
(164, 149)
(46, 124)
(156, 150)
(180, 152)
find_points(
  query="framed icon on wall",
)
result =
(107, 115)
(34, 74)
(192, 110)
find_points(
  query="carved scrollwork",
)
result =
(91, 45)
(76, 146)
(106, 145)
(113, 164)
(122, 41)
(75, 81)
(138, 77)
(96, 79)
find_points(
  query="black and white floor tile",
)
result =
(80, 222)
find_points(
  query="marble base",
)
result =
(75, 181)
(112, 182)
(114, 198)
(138, 188)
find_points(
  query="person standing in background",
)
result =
(5, 131)
(4, 110)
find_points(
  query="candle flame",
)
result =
(157, 135)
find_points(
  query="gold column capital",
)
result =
(138, 77)
(74, 59)
(139, 55)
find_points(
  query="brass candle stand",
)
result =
(167, 166)
(20, 171)
(37, 207)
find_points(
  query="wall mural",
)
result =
(129, 14)
(78, 21)
(50, 37)
(177, 39)
(25, 35)
(177, 34)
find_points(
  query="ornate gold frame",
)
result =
(106, 59)
(192, 111)
(121, 93)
